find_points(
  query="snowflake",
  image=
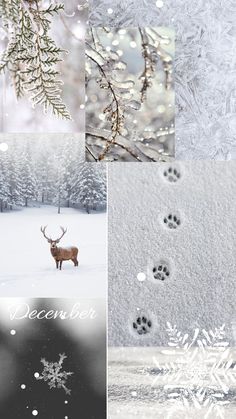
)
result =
(198, 373)
(53, 374)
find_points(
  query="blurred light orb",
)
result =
(133, 44)
(115, 42)
(102, 117)
(122, 31)
(23, 386)
(79, 32)
(35, 413)
(119, 52)
(82, 106)
(110, 11)
(36, 374)
(13, 332)
(141, 276)
(3, 147)
(160, 3)
(161, 109)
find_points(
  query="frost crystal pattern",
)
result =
(199, 372)
(204, 67)
(53, 374)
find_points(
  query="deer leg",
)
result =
(75, 261)
(57, 263)
(60, 264)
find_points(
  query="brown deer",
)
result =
(61, 253)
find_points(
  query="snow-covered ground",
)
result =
(146, 383)
(27, 267)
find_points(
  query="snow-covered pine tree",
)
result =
(89, 190)
(58, 188)
(44, 170)
(28, 179)
(16, 193)
(69, 162)
(4, 187)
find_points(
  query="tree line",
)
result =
(50, 171)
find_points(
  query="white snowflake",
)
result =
(53, 374)
(199, 371)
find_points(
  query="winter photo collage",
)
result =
(117, 280)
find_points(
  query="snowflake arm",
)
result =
(53, 375)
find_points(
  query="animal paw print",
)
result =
(172, 221)
(161, 272)
(142, 325)
(172, 174)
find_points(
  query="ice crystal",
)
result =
(204, 67)
(123, 122)
(199, 371)
(54, 375)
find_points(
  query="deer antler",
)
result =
(64, 230)
(43, 231)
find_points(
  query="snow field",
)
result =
(27, 266)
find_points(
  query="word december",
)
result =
(23, 311)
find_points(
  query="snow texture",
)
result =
(138, 388)
(204, 67)
(198, 255)
(27, 266)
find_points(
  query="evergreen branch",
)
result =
(31, 55)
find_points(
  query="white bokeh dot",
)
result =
(23, 386)
(3, 147)
(35, 412)
(133, 44)
(141, 276)
(110, 11)
(160, 3)
(13, 332)
(36, 374)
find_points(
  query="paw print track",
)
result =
(172, 174)
(161, 272)
(172, 221)
(142, 325)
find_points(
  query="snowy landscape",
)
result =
(43, 186)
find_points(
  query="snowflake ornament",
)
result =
(53, 374)
(199, 372)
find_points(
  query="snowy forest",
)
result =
(50, 171)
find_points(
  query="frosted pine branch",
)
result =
(31, 56)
